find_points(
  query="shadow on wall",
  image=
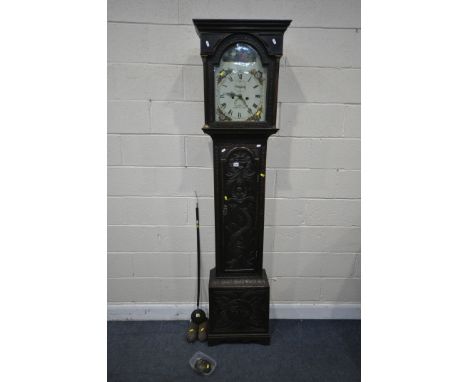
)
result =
(197, 179)
(342, 289)
(271, 231)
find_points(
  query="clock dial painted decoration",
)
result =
(240, 85)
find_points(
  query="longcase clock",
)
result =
(241, 67)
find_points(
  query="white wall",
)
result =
(158, 154)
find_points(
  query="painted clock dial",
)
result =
(240, 85)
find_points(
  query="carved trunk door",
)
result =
(242, 203)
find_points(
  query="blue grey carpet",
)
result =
(300, 350)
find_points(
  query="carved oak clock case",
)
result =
(241, 66)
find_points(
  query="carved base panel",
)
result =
(239, 309)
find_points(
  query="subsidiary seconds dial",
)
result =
(240, 95)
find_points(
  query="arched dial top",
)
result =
(240, 85)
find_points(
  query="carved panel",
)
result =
(239, 310)
(240, 178)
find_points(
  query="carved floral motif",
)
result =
(240, 231)
(239, 310)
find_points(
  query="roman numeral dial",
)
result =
(240, 85)
(240, 95)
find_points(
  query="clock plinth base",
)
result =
(216, 339)
(239, 309)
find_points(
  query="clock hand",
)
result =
(243, 100)
(231, 94)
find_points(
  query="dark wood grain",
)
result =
(239, 290)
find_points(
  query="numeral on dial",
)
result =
(239, 101)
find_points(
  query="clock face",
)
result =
(240, 86)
